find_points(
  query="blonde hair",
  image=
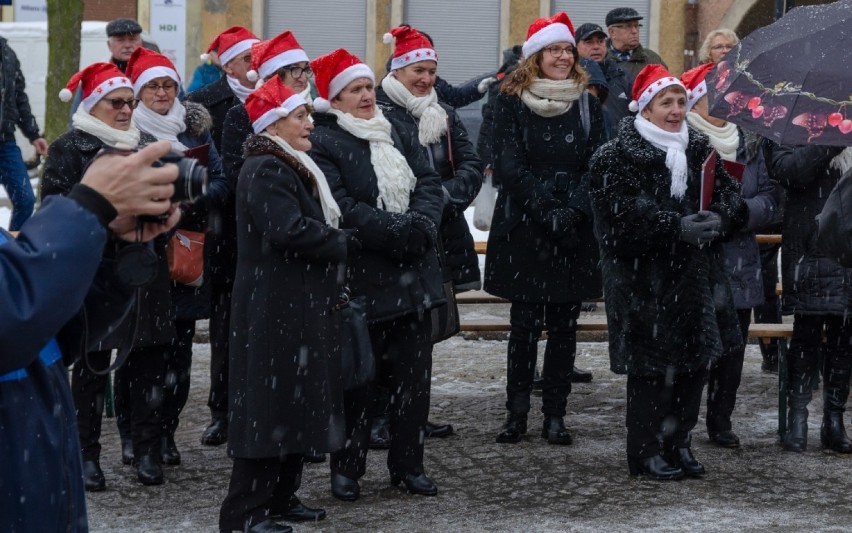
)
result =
(530, 69)
(704, 51)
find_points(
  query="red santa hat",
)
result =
(273, 100)
(410, 46)
(231, 43)
(695, 85)
(269, 56)
(333, 72)
(97, 80)
(145, 65)
(546, 31)
(651, 80)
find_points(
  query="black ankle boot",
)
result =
(437, 431)
(344, 488)
(655, 467)
(169, 451)
(380, 438)
(126, 451)
(216, 432)
(514, 429)
(554, 431)
(799, 396)
(148, 470)
(416, 484)
(833, 433)
(682, 457)
(835, 393)
(796, 438)
(93, 476)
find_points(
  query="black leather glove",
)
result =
(421, 236)
(700, 228)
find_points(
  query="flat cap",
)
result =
(123, 27)
(588, 29)
(622, 14)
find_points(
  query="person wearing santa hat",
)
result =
(160, 113)
(668, 301)
(287, 237)
(542, 255)
(408, 99)
(742, 254)
(233, 46)
(103, 119)
(389, 193)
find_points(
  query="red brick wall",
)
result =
(109, 9)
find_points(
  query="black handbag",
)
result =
(356, 351)
(445, 317)
(834, 223)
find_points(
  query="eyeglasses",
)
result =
(296, 72)
(557, 51)
(168, 87)
(628, 26)
(118, 103)
(722, 47)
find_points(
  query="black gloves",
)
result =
(421, 236)
(562, 224)
(353, 244)
(700, 228)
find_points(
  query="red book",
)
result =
(708, 177)
(202, 153)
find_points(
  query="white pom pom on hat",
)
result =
(388, 38)
(204, 57)
(65, 95)
(252, 75)
(633, 106)
(321, 105)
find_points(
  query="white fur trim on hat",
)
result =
(693, 96)
(102, 90)
(414, 56)
(347, 76)
(153, 73)
(651, 91)
(271, 116)
(552, 33)
(268, 67)
(236, 50)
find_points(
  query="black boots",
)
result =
(725, 439)
(380, 438)
(835, 393)
(800, 391)
(168, 450)
(416, 484)
(554, 431)
(148, 470)
(126, 451)
(217, 432)
(344, 488)
(654, 467)
(682, 457)
(514, 429)
(833, 434)
(437, 431)
(93, 476)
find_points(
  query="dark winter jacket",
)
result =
(67, 159)
(455, 159)
(285, 376)
(218, 98)
(639, 58)
(485, 142)
(14, 103)
(396, 277)
(620, 90)
(597, 79)
(813, 283)
(541, 247)
(52, 284)
(668, 303)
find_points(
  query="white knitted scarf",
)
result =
(432, 118)
(163, 127)
(674, 145)
(83, 121)
(549, 98)
(330, 209)
(725, 139)
(843, 160)
(239, 90)
(394, 177)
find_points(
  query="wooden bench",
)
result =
(765, 333)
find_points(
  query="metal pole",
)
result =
(783, 6)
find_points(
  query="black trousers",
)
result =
(176, 383)
(815, 335)
(220, 319)
(259, 487)
(89, 391)
(661, 411)
(527, 322)
(723, 381)
(403, 350)
(139, 387)
(770, 311)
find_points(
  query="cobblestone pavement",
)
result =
(484, 486)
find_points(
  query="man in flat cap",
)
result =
(624, 47)
(124, 36)
(591, 44)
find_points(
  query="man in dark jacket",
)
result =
(234, 49)
(15, 112)
(56, 292)
(624, 47)
(591, 44)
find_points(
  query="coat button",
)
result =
(569, 138)
(546, 136)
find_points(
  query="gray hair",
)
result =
(704, 51)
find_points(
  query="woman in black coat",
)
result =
(101, 122)
(542, 254)
(285, 377)
(389, 194)
(668, 302)
(817, 292)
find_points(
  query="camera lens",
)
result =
(191, 182)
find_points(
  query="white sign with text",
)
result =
(168, 29)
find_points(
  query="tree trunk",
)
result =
(63, 60)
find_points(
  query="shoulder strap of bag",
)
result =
(584, 112)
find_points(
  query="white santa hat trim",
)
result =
(234, 51)
(102, 90)
(414, 56)
(271, 116)
(153, 73)
(694, 95)
(552, 33)
(651, 91)
(270, 66)
(347, 76)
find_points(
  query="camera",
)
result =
(192, 177)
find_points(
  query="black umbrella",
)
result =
(791, 81)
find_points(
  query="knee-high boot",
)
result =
(837, 368)
(798, 397)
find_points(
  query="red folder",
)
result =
(708, 176)
(202, 153)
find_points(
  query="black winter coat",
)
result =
(14, 103)
(285, 376)
(455, 159)
(396, 280)
(218, 98)
(813, 283)
(538, 251)
(67, 159)
(620, 90)
(668, 303)
(485, 142)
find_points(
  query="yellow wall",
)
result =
(521, 14)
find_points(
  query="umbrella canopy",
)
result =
(791, 81)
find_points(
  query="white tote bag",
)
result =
(483, 205)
